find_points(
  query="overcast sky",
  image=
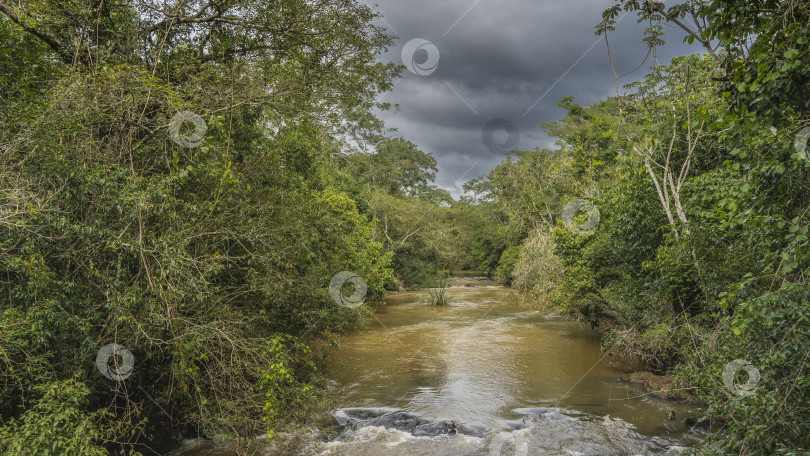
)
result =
(503, 64)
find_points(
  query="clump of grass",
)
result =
(437, 291)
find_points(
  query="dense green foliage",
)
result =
(421, 225)
(701, 179)
(203, 245)
(207, 257)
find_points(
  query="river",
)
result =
(485, 376)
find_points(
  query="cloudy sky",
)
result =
(488, 73)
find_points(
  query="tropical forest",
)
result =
(212, 242)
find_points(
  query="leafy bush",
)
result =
(58, 422)
(771, 333)
(538, 270)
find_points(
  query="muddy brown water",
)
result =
(485, 376)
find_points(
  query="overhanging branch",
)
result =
(50, 38)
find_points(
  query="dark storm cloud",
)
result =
(507, 59)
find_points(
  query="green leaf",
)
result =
(789, 266)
